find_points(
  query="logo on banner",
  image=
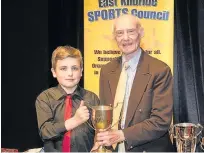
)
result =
(107, 13)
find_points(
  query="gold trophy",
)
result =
(101, 118)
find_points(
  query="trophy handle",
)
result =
(202, 143)
(116, 105)
(115, 123)
(112, 125)
(200, 127)
(90, 125)
(91, 107)
(171, 131)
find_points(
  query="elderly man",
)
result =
(140, 87)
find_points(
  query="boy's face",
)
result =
(68, 72)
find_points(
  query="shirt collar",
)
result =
(133, 61)
(61, 92)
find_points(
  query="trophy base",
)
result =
(101, 149)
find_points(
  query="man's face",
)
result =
(126, 35)
(68, 72)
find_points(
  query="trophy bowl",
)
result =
(186, 135)
(102, 117)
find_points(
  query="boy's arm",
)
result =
(51, 129)
(48, 128)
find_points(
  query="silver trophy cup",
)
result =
(186, 135)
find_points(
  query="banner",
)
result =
(156, 17)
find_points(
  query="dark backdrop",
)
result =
(31, 29)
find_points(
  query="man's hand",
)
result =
(81, 116)
(107, 138)
(96, 145)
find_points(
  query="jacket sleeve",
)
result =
(161, 112)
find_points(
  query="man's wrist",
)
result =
(122, 136)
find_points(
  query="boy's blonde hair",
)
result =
(63, 52)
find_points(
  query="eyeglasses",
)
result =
(120, 33)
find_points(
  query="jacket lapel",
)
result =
(140, 82)
(114, 77)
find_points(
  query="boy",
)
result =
(61, 112)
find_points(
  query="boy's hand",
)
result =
(82, 114)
